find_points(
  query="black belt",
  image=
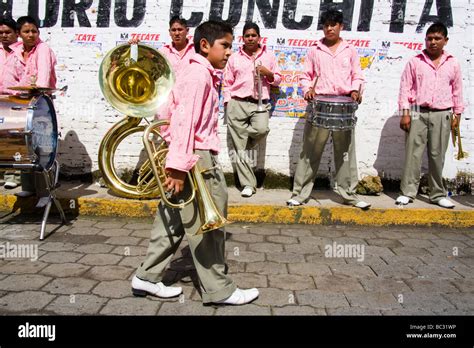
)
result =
(427, 109)
(250, 100)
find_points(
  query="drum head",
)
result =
(43, 125)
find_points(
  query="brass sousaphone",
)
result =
(136, 80)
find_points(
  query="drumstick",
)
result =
(315, 82)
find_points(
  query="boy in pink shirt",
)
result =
(431, 103)
(246, 124)
(332, 67)
(192, 138)
(8, 36)
(31, 61)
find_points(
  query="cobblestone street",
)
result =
(86, 268)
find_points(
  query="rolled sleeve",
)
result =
(357, 82)
(406, 86)
(183, 126)
(309, 73)
(228, 80)
(458, 101)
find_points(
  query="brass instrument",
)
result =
(137, 84)
(456, 133)
(260, 107)
(208, 211)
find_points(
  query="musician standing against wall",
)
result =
(246, 124)
(332, 67)
(8, 36)
(180, 49)
(193, 138)
(32, 61)
(431, 103)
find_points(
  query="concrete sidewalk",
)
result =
(267, 206)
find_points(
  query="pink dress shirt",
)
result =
(3, 60)
(239, 74)
(339, 73)
(40, 62)
(178, 62)
(194, 108)
(424, 84)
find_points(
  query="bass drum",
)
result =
(28, 131)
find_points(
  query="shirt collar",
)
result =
(444, 57)
(199, 59)
(18, 48)
(263, 49)
(343, 45)
(171, 46)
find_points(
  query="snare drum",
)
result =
(332, 112)
(28, 131)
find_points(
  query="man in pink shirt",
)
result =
(8, 36)
(31, 61)
(193, 137)
(180, 49)
(246, 123)
(332, 67)
(431, 104)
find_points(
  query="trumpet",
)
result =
(456, 133)
(256, 64)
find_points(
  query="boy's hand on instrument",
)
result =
(264, 71)
(455, 121)
(405, 121)
(175, 181)
(310, 95)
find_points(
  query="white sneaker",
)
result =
(240, 297)
(362, 205)
(10, 185)
(403, 200)
(445, 203)
(142, 288)
(292, 202)
(247, 192)
(24, 194)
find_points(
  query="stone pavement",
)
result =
(86, 268)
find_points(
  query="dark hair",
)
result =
(26, 19)
(332, 16)
(438, 28)
(251, 25)
(178, 19)
(211, 31)
(9, 22)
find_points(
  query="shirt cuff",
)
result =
(182, 162)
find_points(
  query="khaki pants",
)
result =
(245, 127)
(432, 129)
(314, 141)
(207, 250)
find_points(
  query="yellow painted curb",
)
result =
(415, 217)
(7, 202)
(119, 207)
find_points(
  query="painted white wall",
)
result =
(85, 116)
